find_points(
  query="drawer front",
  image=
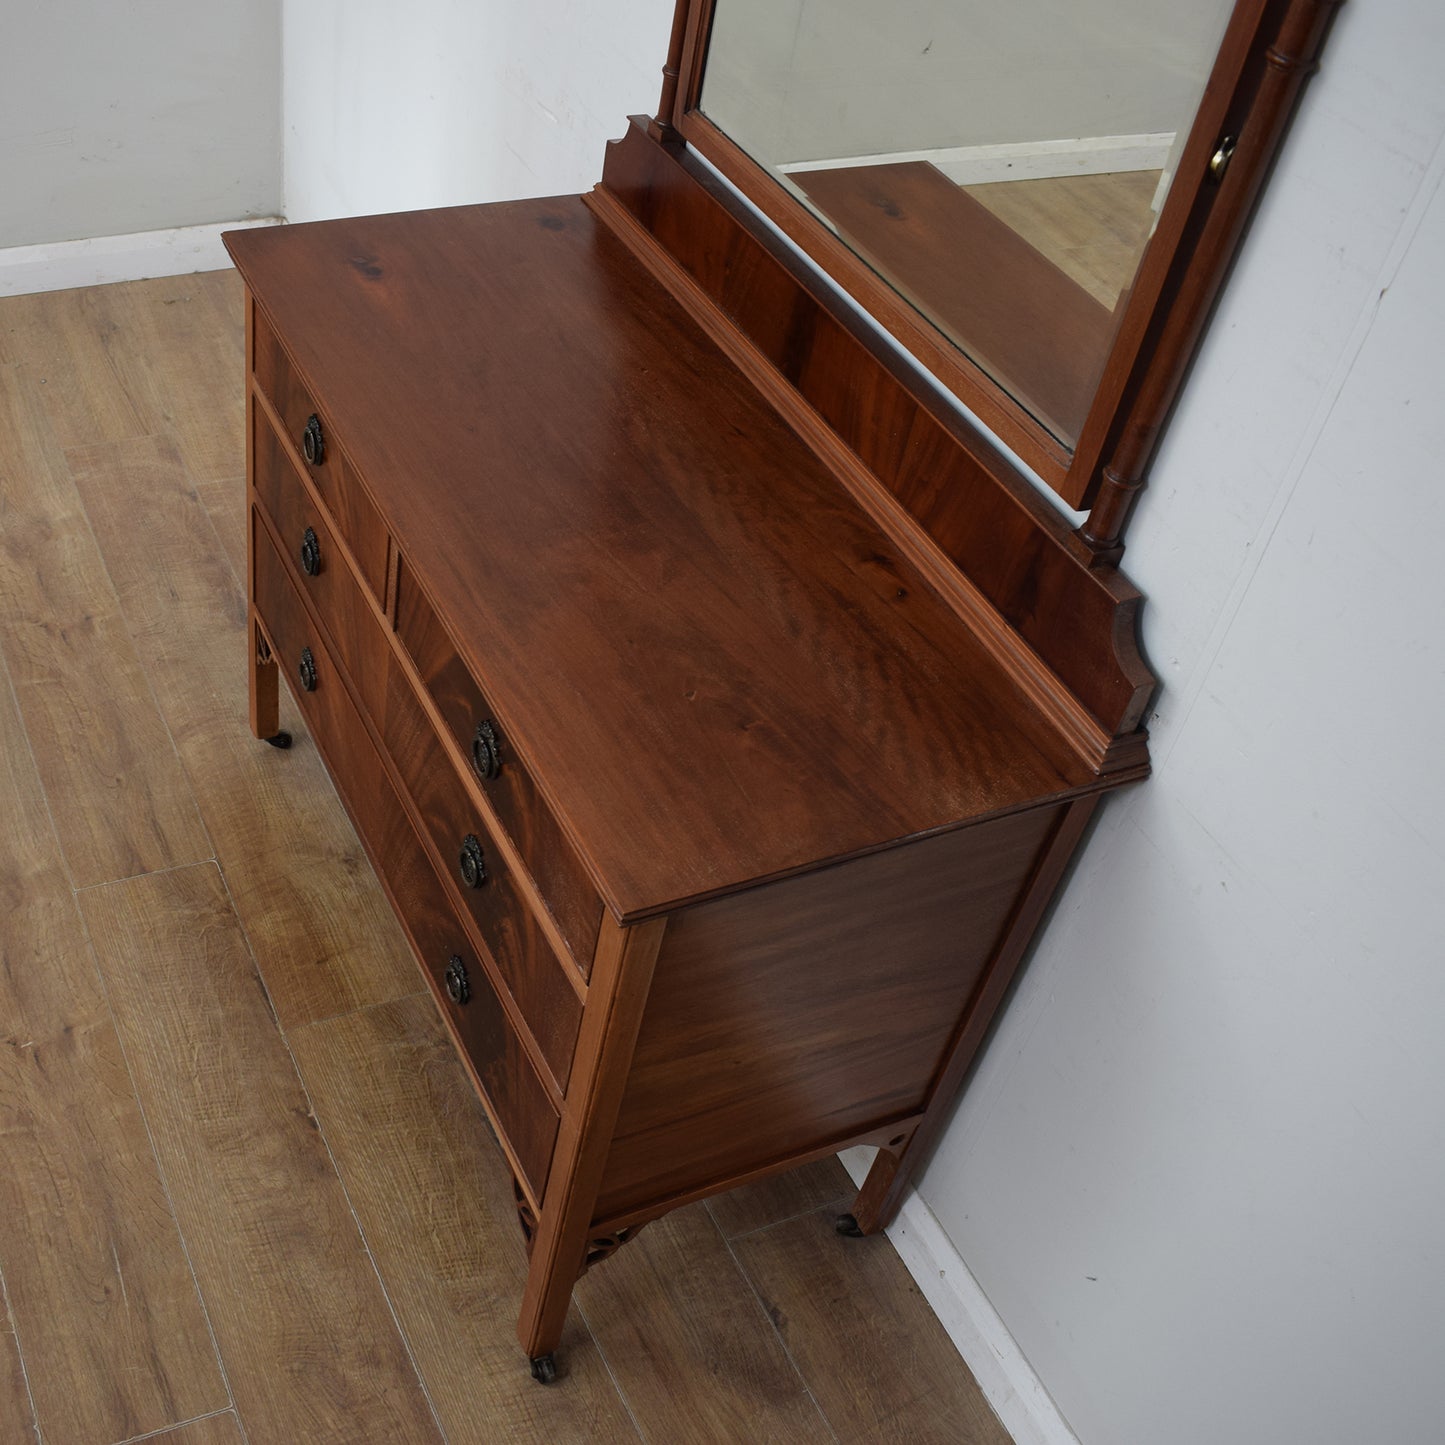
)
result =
(517, 1097)
(538, 838)
(524, 957)
(356, 519)
(313, 559)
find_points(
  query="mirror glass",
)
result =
(1001, 167)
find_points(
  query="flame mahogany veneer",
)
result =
(770, 703)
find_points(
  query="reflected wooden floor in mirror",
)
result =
(1093, 228)
(248, 1193)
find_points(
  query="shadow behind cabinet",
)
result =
(719, 711)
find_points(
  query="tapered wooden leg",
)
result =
(881, 1195)
(265, 692)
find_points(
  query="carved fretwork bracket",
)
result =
(599, 1247)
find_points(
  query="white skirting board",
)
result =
(1003, 1374)
(1023, 160)
(59, 265)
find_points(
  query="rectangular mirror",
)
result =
(1038, 200)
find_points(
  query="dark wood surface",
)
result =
(290, 407)
(565, 887)
(1035, 330)
(743, 674)
(811, 1010)
(970, 504)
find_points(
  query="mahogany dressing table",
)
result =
(718, 706)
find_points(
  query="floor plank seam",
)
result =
(148, 873)
(402, 1335)
(160, 1168)
(607, 1365)
(20, 1357)
(772, 1323)
(836, 1204)
(35, 768)
(140, 653)
(179, 1425)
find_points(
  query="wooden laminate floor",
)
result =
(245, 1191)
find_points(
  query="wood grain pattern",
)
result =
(213, 1430)
(98, 1282)
(1094, 228)
(564, 884)
(1030, 325)
(851, 1300)
(224, 501)
(770, 576)
(299, 878)
(780, 1197)
(121, 799)
(965, 495)
(175, 344)
(308, 1339)
(433, 1197)
(692, 1350)
(783, 1019)
(15, 1406)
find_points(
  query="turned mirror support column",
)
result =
(661, 127)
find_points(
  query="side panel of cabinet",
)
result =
(811, 1010)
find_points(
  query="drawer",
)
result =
(313, 560)
(351, 509)
(517, 1098)
(560, 877)
(545, 997)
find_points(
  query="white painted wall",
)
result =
(797, 80)
(1200, 1172)
(137, 117)
(1200, 1169)
(442, 102)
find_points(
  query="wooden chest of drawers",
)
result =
(718, 812)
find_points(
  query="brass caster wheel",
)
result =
(544, 1369)
(280, 740)
(846, 1225)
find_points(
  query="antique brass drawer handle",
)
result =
(486, 750)
(459, 989)
(310, 552)
(313, 444)
(473, 862)
(306, 670)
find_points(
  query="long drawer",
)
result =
(516, 1097)
(308, 439)
(509, 787)
(519, 947)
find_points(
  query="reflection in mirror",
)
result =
(1000, 166)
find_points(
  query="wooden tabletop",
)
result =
(717, 666)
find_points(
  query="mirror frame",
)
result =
(1269, 49)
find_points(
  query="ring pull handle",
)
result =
(306, 670)
(486, 750)
(472, 862)
(313, 443)
(458, 985)
(310, 552)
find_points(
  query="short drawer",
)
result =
(319, 455)
(480, 877)
(313, 559)
(482, 735)
(516, 1095)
